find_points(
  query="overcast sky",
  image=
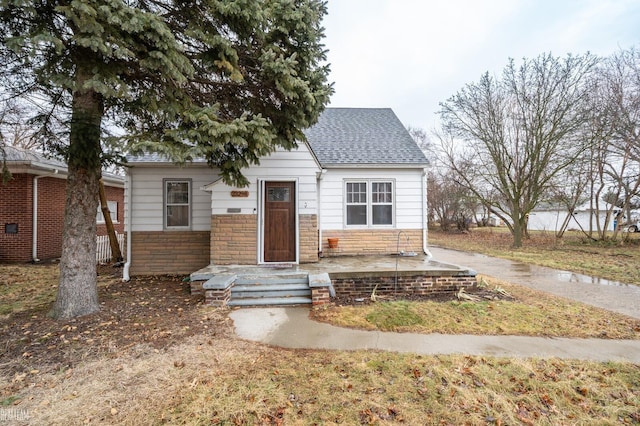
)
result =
(409, 55)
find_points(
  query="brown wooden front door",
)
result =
(280, 222)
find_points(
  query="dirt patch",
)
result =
(158, 311)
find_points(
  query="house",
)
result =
(32, 206)
(358, 180)
(551, 217)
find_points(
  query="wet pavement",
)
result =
(292, 328)
(610, 295)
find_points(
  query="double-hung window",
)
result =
(369, 203)
(177, 203)
(113, 212)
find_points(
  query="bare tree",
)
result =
(619, 83)
(509, 138)
(424, 142)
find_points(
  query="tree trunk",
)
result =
(77, 290)
(518, 231)
(116, 255)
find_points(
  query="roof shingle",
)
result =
(363, 136)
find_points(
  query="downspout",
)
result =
(127, 222)
(425, 234)
(319, 177)
(34, 225)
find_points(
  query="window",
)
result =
(113, 212)
(369, 203)
(177, 203)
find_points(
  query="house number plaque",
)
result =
(243, 194)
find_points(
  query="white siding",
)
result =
(408, 195)
(281, 165)
(148, 195)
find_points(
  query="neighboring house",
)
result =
(550, 217)
(360, 178)
(32, 206)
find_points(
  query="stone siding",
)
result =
(353, 242)
(234, 239)
(168, 252)
(308, 238)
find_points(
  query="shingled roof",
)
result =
(350, 137)
(345, 137)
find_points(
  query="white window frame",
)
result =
(165, 204)
(113, 211)
(369, 202)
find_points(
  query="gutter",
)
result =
(34, 225)
(127, 222)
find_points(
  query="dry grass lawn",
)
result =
(154, 355)
(531, 313)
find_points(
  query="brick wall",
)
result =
(51, 204)
(406, 284)
(16, 202)
(371, 241)
(114, 194)
(169, 252)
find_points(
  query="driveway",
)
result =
(610, 295)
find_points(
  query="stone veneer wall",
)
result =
(168, 252)
(308, 238)
(371, 241)
(407, 285)
(234, 239)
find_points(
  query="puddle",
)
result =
(572, 277)
(561, 276)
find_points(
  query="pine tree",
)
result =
(226, 80)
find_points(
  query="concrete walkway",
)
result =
(292, 328)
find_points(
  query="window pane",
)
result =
(177, 215)
(356, 192)
(382, 214)
(177, 193)
(357, 215)
(278, 194)
(381, 192)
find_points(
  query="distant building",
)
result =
(32, 206)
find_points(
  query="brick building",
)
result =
(34, 200)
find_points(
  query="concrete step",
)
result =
(270, 287)
(244, 280)
(276, 289)
(270, 294)
(270, 301)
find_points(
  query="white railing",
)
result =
(103, 248)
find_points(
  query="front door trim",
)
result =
(261, 220)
